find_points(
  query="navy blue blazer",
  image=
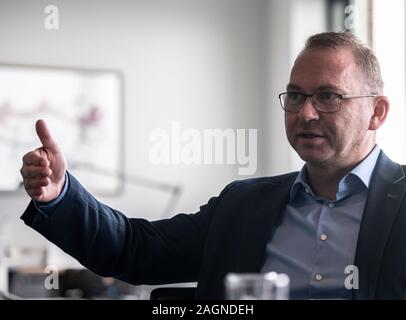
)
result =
(228, 234)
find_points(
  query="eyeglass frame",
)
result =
(341, 96)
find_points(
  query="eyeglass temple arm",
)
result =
(348, 96)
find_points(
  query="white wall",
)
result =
(390, 50)
(197, 62)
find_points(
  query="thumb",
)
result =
(45, 136)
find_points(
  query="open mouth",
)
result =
(310, 136)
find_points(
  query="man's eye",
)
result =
(294, 97)
(327, 96)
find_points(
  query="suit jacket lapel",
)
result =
(387, 188)
(258, 224)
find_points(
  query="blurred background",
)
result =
(114, 72)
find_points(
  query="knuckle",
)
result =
(27, 174)
(28, 156)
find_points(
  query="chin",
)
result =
(314, 157)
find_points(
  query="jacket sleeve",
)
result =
(134, 250)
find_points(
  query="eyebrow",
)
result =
(292, 86)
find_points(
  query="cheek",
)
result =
(354, 125)
(290, 123)
(339, 130)
(346, 130)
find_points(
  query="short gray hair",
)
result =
(365, 57)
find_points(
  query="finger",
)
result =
(35, 172)
(45, 136)
(36, 183)
(33, 158)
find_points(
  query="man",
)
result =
(343, 211)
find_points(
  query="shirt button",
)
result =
(307, 190)
(331, 204)
(318, 277)
(323, 237)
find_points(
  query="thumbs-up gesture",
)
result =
(44, 169)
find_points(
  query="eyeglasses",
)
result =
(325, 101)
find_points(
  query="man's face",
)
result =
(330, 139)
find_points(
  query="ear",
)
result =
(381, 109)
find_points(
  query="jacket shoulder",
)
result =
(253, 183)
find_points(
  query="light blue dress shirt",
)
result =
(317, 238)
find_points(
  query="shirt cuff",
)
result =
(47, 207)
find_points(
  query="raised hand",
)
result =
(43, 169)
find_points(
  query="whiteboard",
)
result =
(84, 111)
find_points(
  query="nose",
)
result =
(308, 112)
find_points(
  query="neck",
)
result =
(324, 179)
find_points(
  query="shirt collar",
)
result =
(363, 171)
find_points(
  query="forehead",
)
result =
(325, 68)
